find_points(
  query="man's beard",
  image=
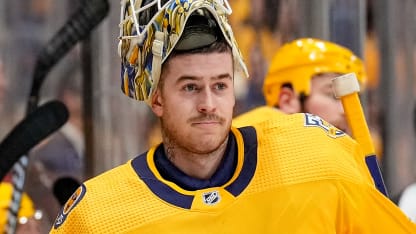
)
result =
(172, 138)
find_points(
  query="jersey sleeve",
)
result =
(73, 217)
(362, 166)
(363, 209)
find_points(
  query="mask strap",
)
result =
(157, 50)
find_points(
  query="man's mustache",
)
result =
(206, 117)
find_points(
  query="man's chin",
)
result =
(207, 143)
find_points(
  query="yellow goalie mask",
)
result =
(151, 29)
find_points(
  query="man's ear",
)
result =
(157, 103)
(288, 101)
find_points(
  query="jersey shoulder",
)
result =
(304, 147)
(112, 192)
(256, 115)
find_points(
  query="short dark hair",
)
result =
(220, 46)
(201, 34)
(201, 24)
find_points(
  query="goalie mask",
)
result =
(151, 29)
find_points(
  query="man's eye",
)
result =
(190, 87)
(220, 86)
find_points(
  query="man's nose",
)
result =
(206, 101)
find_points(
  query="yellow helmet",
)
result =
(298, 61)
(26, 207)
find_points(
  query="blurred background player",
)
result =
(59, 159)
(299, 80)
(28, 217)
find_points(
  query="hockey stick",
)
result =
(26, 134)
(346, 88)
(77, 28)
(79, 25)
(30, 131)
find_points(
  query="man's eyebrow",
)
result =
(191, 78)
(187, 78)
(224, 76)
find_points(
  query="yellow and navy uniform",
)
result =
(286, 175)
(263, 113)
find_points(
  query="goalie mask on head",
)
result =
(151, 29)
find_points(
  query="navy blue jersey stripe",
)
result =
(250, 161)
(160, 189)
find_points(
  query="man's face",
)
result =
(323, 103)
(195, 100)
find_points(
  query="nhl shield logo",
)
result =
(211, 198)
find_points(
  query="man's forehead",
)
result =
(199, 66)
(199, 59)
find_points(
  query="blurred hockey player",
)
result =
(299, 80)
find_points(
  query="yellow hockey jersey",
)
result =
(290, 175)
(256, 115)
(264, 113)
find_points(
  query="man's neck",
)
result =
(200, 166)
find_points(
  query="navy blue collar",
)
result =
(150, 173)
(223, 174)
